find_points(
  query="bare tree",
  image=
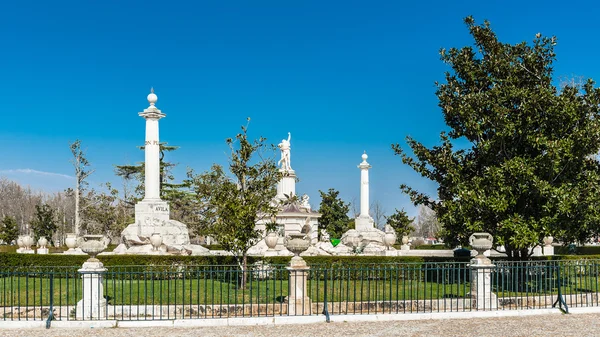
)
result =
(354, 206)
(378, 214)
(82, 171)
(427, 224)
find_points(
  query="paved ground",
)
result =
(537, 325)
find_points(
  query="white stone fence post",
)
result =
(93, 303)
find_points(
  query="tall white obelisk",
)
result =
(151, 208)
(152, 213)
(364, 222)
(152, 149)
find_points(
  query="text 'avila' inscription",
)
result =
(161, 209)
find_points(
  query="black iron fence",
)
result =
(203, 292)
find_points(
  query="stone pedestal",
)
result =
(405, 247)
(93, 304)
(153, 217)
(298, 301)
(42, 251)
(287, 184)
(548, 250)
(537, 251)
(482, 297)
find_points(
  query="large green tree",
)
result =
(136, 173)
(44, 222)
(334, 214)
(529, 167)
(9, 231)
(231, 205)
(400, 222)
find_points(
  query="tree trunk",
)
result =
(76, 229)
(244, 271)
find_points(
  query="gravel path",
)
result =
(536, 325)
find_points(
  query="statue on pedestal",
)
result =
(284, 146)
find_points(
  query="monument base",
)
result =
(173, 233)
(147, 249)
(42, 251)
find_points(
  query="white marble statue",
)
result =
(285, 153)
(304, 202)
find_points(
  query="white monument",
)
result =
(370, 237)
(292, 216)
(287, 184)
(152, 213)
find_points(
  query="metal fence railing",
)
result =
(205, 292)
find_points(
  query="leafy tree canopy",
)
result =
(400, 222)
(9, 231)
(230, 206)
(334, 214)
(44, 223)
(530, 167)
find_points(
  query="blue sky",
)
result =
(343, 77)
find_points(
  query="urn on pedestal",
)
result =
(20, 244)
(156, 241)
(389, 239)
(42, 242)
(271, 240)
(71, 241)
(93, 245)
(481, 242)
(27, 243)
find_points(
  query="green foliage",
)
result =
(136, 172)
(530, 167)
(400, 222)
(230, 207)
(334, 214)
(50, 260)
(44, 222)
(9, 231)
(104, 214)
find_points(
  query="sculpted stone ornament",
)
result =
(285, 161)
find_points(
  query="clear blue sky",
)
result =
(341, 76)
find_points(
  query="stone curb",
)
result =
(281, 320)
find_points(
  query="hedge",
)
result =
(30, 261)
(60, 260)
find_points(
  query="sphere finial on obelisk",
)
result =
(152, 98)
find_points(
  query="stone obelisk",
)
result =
(152, 150)
(370, 238)
(364, 222)
(152, 213)
(151, 208)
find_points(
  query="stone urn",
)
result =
(92, 245)
(271, 240)
(28, 242)
(20, 242)
(548, 241)
(405, 239)
(481, 242)
(389, 239)
(71, 241)
(42, 243)
(156, 240)
(297, 243)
